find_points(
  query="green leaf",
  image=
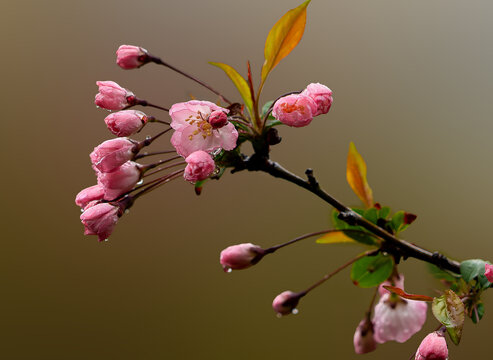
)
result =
(441, 274)
(384, 212)
(371, 271)
(357, 233)
(356, 176)
(480, 313)
(469, 269)
(283, 38)
(371, 215)
(266, 107)
(239, 82)
(449, 310)
(199, 185)
(348, 236)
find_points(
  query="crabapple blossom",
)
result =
(295, 110)
(85, 196)
(100, 219)
(120, 181)
(488, 272)
(395, 318)
(321, 95)
(433, 347)
(113, 153)
(111, 96)
(285, 303)
(240, 256)
(363, 337)
(125, 122)
(193, 130)
(131, 57)
(199, 166)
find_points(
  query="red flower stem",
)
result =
(302, 237)
(159, 61)
(159, 182)
(164, 168)
(140, 156)
(145, 168)
(153, 119)
(342, 267)
(150, 140)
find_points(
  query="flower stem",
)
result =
(140, 156)
(165, 168)
(159, 61)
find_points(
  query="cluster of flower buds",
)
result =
(298, 110)
(200, 128)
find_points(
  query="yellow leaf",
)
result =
(335, 237)
(283, 38)
(356, 176)
(239, 82)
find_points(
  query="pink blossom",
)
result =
(488, 272)
(363, 337)
(120, 181)
(111, 154)
(294, 110)
(100, 219)
(321, 95)
(285, 303)
(433, 347)
(131, 57)
(125, 122)
(194, 132)
(395, 318)
(218, 119)
(85, 196)
(240, 256)
(199, 166)
(111, 96)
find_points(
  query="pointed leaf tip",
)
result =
(356, 176)
(283, 38)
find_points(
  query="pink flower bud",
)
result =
(131, 57)
(321, 95)
(433, 347)
(285, 303)
(363, 338)
(200, 166)
(488, 272)
(240, 256)
(89, 194)
(218, 119)
(125, 122)
(111, 96)
(111, 154)
(120, 181)
(294, 110)
(100, 219)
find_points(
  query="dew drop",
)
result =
(229, 270)
(148, 137)
(141, 181)
(81, 210)
(279, 315)
(127, 211)
(294, 311)
(216, 171)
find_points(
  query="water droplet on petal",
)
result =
(216, 171)
(229, 270)
(141, 181)
(294, 311)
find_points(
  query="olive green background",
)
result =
(412, 82)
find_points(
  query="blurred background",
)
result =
(412, 84)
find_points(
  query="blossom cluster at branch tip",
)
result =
(194, 132)
(112, 96)
(131, 57)
(433, 347)
(242, 256)
(298, 110)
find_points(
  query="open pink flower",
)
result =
(488, 272)
(397, 319)
(125, 122)
(111, 154)
(199, 166)
(131, 57)
(120, 181)
(194, 132)
(89, 194)
(100, 219)
(240, 256)
(433, 347)
(321, 95)
(295, 110)
(111, 96)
